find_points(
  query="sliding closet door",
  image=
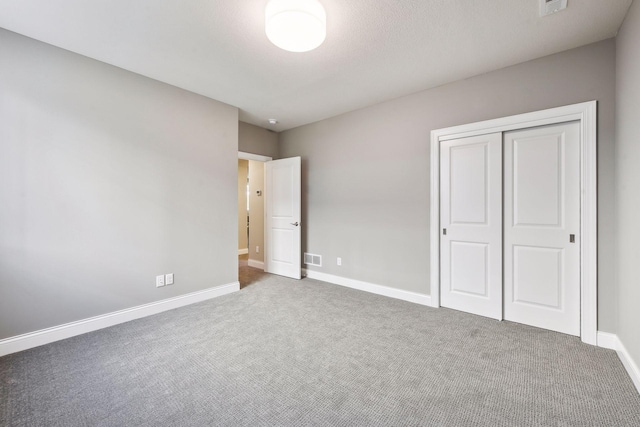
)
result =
(471, 225)
(542, 226)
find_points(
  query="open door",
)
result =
(283, 217)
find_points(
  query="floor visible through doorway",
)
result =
(247, 275)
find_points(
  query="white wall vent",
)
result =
(547, 7)
(311, 259)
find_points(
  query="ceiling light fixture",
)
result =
(273, 122)
(295, 25)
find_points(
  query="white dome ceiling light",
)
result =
(296, 25)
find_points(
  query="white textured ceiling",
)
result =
(375, 49)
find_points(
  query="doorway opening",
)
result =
(273, 206)
(251, 235)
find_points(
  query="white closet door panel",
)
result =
(541, 212)
(537, 276)
(471, 214)
(537, 181)
(468, 186)
(469, 268)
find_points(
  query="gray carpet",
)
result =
(295, 353)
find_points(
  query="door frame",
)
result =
(586, 114)
(257, 157)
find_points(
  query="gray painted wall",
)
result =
(628, 181)
(107, 179)
(366, 173)
(256, 140)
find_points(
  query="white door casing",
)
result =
(471, 224)
(541, 213)
(283, 217)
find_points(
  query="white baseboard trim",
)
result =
(68, 330)
(243, 251)
(611, 341)
(607, 340)
(370, 287)
(629, 364)
(256, 264)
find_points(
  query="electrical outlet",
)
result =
(159, 281)
(168, 279)
(339, 260)
(257, 249)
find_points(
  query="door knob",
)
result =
(295, 223)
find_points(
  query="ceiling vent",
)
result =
(547, 7)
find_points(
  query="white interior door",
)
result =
(282, 211)
(542, 213)
(471, 223)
